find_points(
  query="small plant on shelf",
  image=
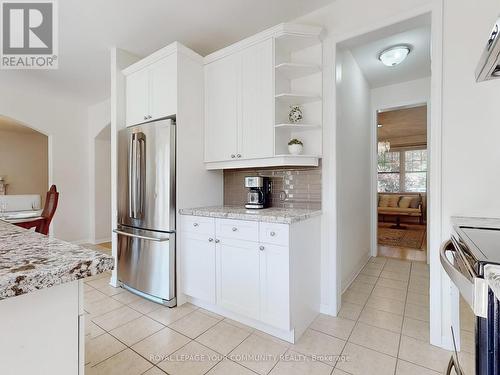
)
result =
(295, 114)
(295, 147)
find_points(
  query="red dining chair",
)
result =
(42, 223)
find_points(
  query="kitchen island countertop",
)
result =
(268, 215)
(30, 261)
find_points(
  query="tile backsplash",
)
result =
(299, 186)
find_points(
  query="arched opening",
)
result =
(24, 166)
(102, 187)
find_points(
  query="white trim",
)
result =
(440, 305)
(273, 161)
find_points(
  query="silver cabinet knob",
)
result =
(272, 234)
(145, 117)
(238, 155)
(217, 241)
(233, 156)
(261, 248)
(234, 229)
(195, 224)
(210, 240)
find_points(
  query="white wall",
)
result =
(99, 184)
(64, 120)
(401, 94)
(353, 166)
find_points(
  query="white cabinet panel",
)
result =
(274, 286)
(222, 108)
(137, 93)
(163, 87)
(257, 101)
(198, 266)
(274, 233)
(198, 225)
(238, 277)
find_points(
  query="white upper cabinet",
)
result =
(257, 101)
(222, 93)
(151, 92)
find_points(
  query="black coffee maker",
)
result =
(259, 193)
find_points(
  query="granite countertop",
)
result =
(268, 215)
(30, 261)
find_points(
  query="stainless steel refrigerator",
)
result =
(146, 210)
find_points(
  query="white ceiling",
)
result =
(366, 49)
(87, 29)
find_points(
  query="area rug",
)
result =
(401, 237)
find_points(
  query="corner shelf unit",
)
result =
(298, 81)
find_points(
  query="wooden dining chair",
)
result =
(42, 223)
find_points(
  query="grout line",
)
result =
(402, 324)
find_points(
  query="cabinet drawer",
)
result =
(237, 229)
(272, 233)
(198, 224)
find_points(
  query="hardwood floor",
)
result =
(404, 253)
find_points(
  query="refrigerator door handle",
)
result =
(141, 174)
(127, 234)
(131, 176)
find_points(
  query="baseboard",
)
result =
(364, 260)
(101, 240)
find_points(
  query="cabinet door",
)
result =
(238, 276)
(222, 108)
(163, 87)
(274, 286)
(137, 93)
(198, 266)
(257, 101)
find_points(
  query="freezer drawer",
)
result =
(146, 263)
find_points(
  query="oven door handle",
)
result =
(474, 291)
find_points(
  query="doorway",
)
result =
(102, 188)
(402, 182)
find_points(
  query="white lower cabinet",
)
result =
(244, 270)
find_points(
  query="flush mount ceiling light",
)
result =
(394, 55)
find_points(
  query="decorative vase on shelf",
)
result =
(295, 114)
(295, 147)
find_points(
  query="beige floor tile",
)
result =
(417, 312)
(111, 290)
(228, 367)
(350, 311)
(423, 354)
(393, 275)
(383, 291)
(92, 330)
(154, 371)
(363, 361)
(366, 279)
(238, 324)
(136, 330)
(339, 372)
(417, 299)
(258, 353)
(360, 286)
(192, 359)
(194, 324)
(98, 282)
(386, 304)
(417, 329)
(145, 306)
(126, 297)
(272, 338)
(395, 284)
(407, 368)
(371, 270)
(102, 306)
(381, 319)
(379, 260)
(378, 339)
(160, 345)
(467, 341)
(324, 347)
(353, 296)
(101, 348)
(167, 315)
(223, 337)
(210, 313)
(87, 288)
(294, 363)
(92, 296)
(124, 363)
(338, 327)
(116, 318)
